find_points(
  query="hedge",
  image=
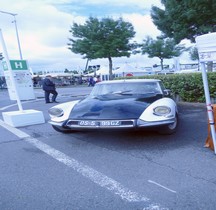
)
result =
(189, 86)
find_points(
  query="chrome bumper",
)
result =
(74, 124)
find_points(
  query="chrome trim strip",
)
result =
(55, 123)
(141, 123)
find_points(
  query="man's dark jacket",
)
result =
(48, 85)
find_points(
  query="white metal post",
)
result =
(17, 35)
(10, 70)
(208, 104)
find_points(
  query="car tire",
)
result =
(169, 129)
(61, 130)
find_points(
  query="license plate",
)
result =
(88, 123)
(102, 123)
(110, 123)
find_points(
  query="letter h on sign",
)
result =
(18, 65)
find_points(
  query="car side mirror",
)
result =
(167, 92)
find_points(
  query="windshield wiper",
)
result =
(123, 92)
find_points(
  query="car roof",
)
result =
(129, 81)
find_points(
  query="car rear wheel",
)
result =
(61, 130)
(171, 128)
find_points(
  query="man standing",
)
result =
(90, 81)
(49, 87)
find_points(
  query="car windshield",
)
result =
(129, 88)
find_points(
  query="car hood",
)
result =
(112, 107)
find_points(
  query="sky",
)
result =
(43, 30)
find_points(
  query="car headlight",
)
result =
(55, 112)
(161, 110)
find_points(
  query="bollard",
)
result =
(209, 142)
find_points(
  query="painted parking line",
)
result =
(7, 107)
(166, 188)
(23, 102)
(38, 99)
(86, 171)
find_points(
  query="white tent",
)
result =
(206, 45)
(103, 72)
(124, 70)
(128, 70)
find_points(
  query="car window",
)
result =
(127, 88)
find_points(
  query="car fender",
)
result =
(67, 108)
(148, 114)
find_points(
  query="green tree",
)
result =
(161, 48)
(194, 53)
(182, 19)
(66, 71)
(105, 38)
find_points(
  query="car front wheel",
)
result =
(170, 128)
(61, 130)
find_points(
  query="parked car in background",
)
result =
(119, 104)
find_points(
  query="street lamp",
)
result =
(13, 14)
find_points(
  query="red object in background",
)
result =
(129, 75)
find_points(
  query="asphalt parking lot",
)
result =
(43, 169)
